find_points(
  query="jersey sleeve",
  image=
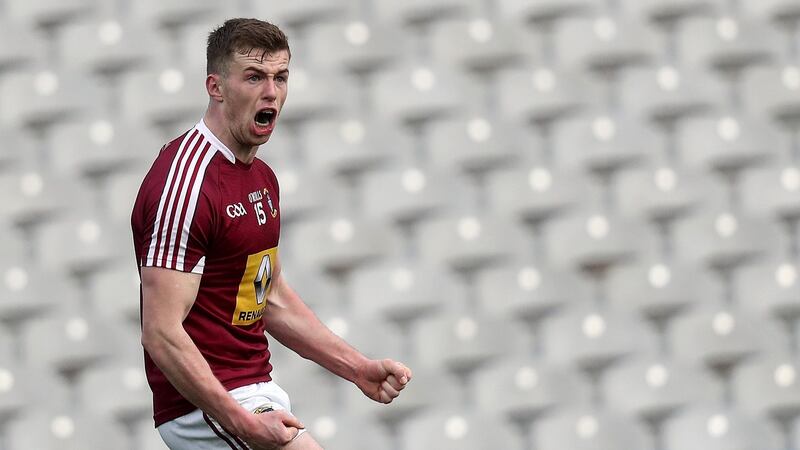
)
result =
(176, 224)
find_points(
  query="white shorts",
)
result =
(198, 431)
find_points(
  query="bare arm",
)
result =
(289, 320)
(167, 297)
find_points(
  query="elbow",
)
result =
(152, 340)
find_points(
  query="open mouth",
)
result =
(265, 117)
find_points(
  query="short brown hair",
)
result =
(242, 36)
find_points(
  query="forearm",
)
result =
(178, 357)
(294, 325)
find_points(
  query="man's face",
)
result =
(253, 92)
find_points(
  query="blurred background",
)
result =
(575, 220)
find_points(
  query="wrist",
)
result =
(239, 422)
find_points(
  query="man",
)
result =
(206, 224)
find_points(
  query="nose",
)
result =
(270, 92)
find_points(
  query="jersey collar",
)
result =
(222, 148)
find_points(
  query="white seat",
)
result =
(303, 193)
(20, 44)
(42, 13)
(114, 292)
(121, 190)
(473, 143)
(422, 11)
(583, 428)
(23, 297)
(773, 92)
(771, 288)
(31, 198)
(603, 142)
(451, 429)
(666, 191)
(407, 194)
(605, 43)
(659, 289)
(772, 190)
(401, 291)
(775, 10)
(338, 243)
(722, 238)
(768, 387)
(298, 13)
(164, 94)
(537, 11)
(529, 291)
(64, 429)
(722, 338)
(108, 45)
(468, 242)
(594, 239)
(24, 389)
(727, 42)
(174, 13)
(654, 389)
(728, 142)
(543, 94)
(146, 437)
(479, 44)
(414, 93)
(354, 45)
(670, 11)
(314, 92)
(715, 428)
(548, 191)
(42, 98)
(309, 386)
(666, 93)
(521, 390)
(593, 340)
(117, 390)
(332, 429)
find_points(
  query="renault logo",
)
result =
(236, 210)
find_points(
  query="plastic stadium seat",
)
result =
(772, 190)
(355, 45)
(728, 141)
(401, 291)
(721, 338)
(605, 43)
(543, 94)
(108, 45)
(334, 430)
(350, 145)
(68, 343)
(522, 390)
(120, 190)
(769, 386)
(529, 291)
(659, 290)
(546, 10)
(23, 389)
(464, 342)
(298, 13)
(473, 144)
(450, 429)
(593, 340)
(42, 98)
(338, 243)
(62, 429)
(592, 239)
(654, 389)
(665, 191)
(309, 386)
(114, 292)
(19, 44)
(314, 92)
(117, 390)
(709, 428)
(423, 11)
(723, 239)
(81, 243)
(669, 11)
(771, 288)
(303, 192)
(407, 194)
(589, 429)
(16, 143)
(174, 13)
(786, 11)
(467, 242)
(33, 197)
(146, 437)
(99, 147)
(164, 94)
(773, 92)
(727, 42)
(603, 142)
(548, 191)
(23, 295)
(667, 92)
(414, 93)
(479, 44)
(43, 13)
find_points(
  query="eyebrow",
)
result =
(256, 69)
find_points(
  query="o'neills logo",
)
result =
(235, 210)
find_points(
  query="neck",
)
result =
(215, 122)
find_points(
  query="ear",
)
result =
(214, 86)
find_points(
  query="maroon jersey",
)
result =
(201, 210)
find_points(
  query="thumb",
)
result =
(290, 420)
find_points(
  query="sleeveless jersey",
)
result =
(201, 210)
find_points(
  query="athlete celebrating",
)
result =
(206, 226)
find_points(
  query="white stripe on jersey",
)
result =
(184, 189)
(187, 222)
(162, 202)
(181, 157)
